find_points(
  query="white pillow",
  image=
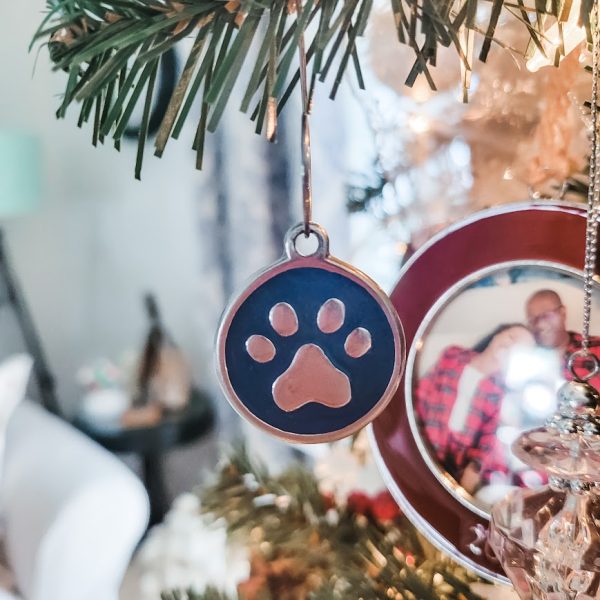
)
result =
(14, 375)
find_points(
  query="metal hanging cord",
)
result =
(306, 157)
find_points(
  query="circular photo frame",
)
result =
(490, 307)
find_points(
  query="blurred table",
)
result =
(152, 442)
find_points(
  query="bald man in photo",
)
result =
(547, 320)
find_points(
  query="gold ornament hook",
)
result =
(306, 156)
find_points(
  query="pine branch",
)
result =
(305, 547)
(208, 594)
(105, 45)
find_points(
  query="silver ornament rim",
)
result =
(583, 353)
(329, 263)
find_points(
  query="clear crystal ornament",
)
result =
(548, 540)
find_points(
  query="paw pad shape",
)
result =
(311, 376)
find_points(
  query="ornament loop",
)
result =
(322, 250)
(591, 372)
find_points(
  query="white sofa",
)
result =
(73, 513)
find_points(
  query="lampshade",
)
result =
(20, 173)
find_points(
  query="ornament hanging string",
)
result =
(306, 156)
(593, 213)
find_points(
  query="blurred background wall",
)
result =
(100, 239)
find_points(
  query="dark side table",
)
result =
(152, 442)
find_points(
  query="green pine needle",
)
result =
(109, 46)
(355, 556)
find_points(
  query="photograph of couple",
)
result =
(480, 390)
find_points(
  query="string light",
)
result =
(573, 34)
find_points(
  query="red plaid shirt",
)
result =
(436, 394)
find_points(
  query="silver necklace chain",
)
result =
(593, 210)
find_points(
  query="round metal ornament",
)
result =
(312, 350)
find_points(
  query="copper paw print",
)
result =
(311, 376)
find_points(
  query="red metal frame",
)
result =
(549, 231)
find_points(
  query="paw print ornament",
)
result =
(312, 350)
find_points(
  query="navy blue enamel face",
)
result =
(310, 381)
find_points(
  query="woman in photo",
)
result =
(459, 402)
